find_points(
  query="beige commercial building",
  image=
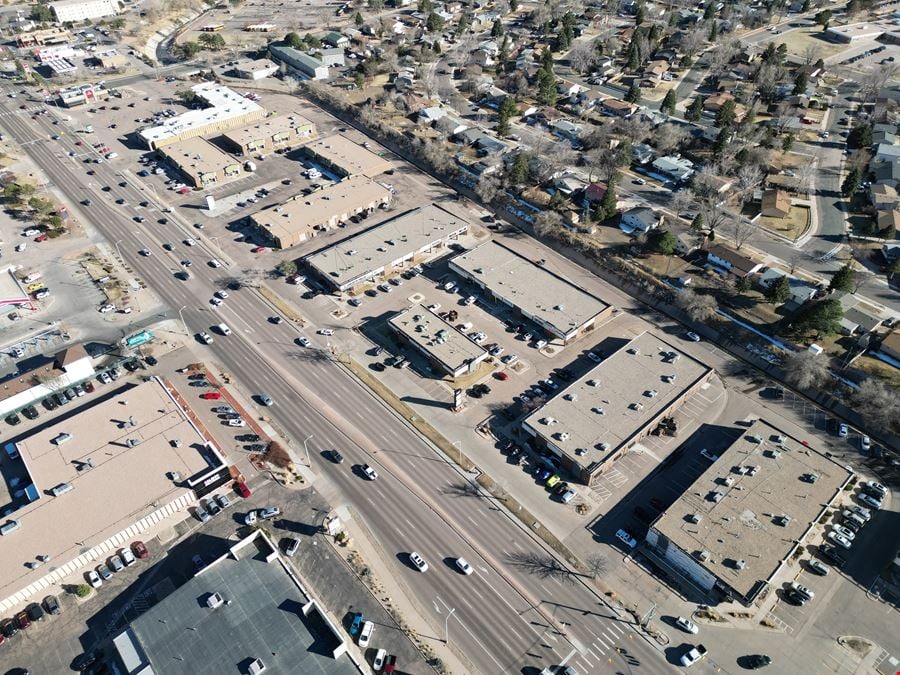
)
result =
(256, 69)
(48, 36)
(73, 11)
(736, 527)
(95, 481)
(454, 352)
(384, 250)
(299, 218)
(225, 109)
(599, 417)
(342, 156)
(281, 132)
(201, 162)
(561, 308)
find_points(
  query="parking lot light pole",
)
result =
(181, 316)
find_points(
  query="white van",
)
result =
(31, 278)
(224, 329)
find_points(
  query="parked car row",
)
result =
(126, 557)
(61, 398)
(207, 508)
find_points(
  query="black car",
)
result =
(564, 374)
(131, 366)
(51, 604)
(30, 412)
(86, 660)
(35, 613)
(8, 628)
(830, 553)
(758, 661)
(49, 403)
(12, 420)
(795, 598)
(255, 447)
(336, 457)
(151, 361)
(250, 438)
(197, 376)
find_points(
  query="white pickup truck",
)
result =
(694, 654)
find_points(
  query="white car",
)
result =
(463, 566)
(709, 454)
(237, 423)
(366, 634)
(31, 232)
(369, 472)
(845, 532)
(303, 341)
(104, 378)
(127, 557)
(691, 656)
(802, 590)
(292, 547)
(214, 263)
(841, 541)
(215, 302)
(325, 331)
(145, 252)
(107, 308)
(250, 518)
(205, 338)
(222, 294)
(693, 337)
(865, 443)
(378, 661)
(687, 625)
(510, 359)
(470, 300)
(418, 561)
(94, 579)
(190, 242)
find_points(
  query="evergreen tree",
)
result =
(787, 142)
(497, 29)
(800, 84)
(779, 291)
(726, 114)
(695, 110)
(851, 182)
(505, 113)
(842, 280)
(668, 103)
(634, 93)
(518, 172)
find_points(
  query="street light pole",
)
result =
(447, 626)
(306, 449)
(181, 316)
(117, 248)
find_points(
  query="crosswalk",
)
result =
(609, 643)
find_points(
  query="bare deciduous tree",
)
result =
(805, 370)
(739, 229)
(669, 137)
(583, 57)
(541, 565)
(597, 564)
(487, 188)
(878, 404)
(697, 306)
(547, 222)
(806, 174)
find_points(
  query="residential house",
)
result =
(884, 197)
(332, 57)
(335, 39)
(594, 192)
(888, 136)
(431, 115)
(731, 261)
(568, 184)
(800, 291)
(617, 108)
(642, 153)
(890, 221)
(451, 126)
(858, 320)
(640, 219)
(488, 145)
(715, 102)
(891, 250)
(890, 346)
(674, 167)
(566, 129)
(653, 73)
(686, 243)
(776, 204)
(884, 152)
(568, 89)
(886, 173)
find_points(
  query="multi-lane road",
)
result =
(504, 617)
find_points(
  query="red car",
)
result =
(23, 620)
(184, 190)
(241, 488)
(501, 376)
(140, 550)
(211, 395)
(391, 664)
(42, 237)
(259, 249)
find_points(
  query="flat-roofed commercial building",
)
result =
(95, 480)
(73, 11)
(256, 69)
(739, 523)
(339, 154)
(443, 345)
(48, 36)
(270, 134)
(386, 248)
(302, 216)
(297, 61)
(69, 367)
(247, 607)
(225, 109)
(561, 308)
(82, 94)
(201, 162)
(600, 416)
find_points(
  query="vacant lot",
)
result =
(802, 41)
(792, 226)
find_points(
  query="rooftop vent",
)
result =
(352, 251)
(637, 406)
(571, 397)
(740, 564)
(694, 518)
(593, 383)
(599, 411)
(703, 555)
(650, 393)
(563, 435)
(559, 308)
(214, 600)
(634, 350)
(256, 667)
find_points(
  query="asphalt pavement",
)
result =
(508, 615)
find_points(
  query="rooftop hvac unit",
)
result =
(668, 378)
(780, 439)
(717, 497)
(214, 600)
(559, 308)
(132, 442)
(650, 393)
(593, 383)
(256, 667)
(755, 439)
(703, 556)
(604, 446)
(352, 251)
(637, 406)
(695, 518)
(634, 350)
(740, 564)
(783, 520)
(580, 451)
(563, 435)
(599, 411)
(774, 454)
(571, 397)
